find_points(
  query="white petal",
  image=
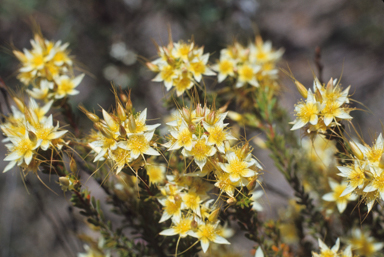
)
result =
(9, 166)
(221, 240)
(168, 232)
(204, 245)
(151, 151)
(328, 197)
(259, 252)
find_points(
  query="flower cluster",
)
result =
(325, 251)
(365, 174)
(323, 108)
(201, 137)
(254, 65)
(30, 133)
(180, 65)
(49, 68)
(122, 136)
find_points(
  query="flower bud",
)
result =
(199, 111)
(152, 67)
(231, 200)
(73, 165)
(227, 145)
(32, 136)
(132, 124)
(122, 131)
(194, 224)
(93, 117)
(121, 112)
(330, 85)
(128, 105)
(213, 216)
(123, 98)
(302, 90)
(251, 185)
(64, 181)
(235, 116)
(106, 132)
(211, 118)
(244, 150)
(356, 150)
(19, 104)
(186, 114)
(192, 128)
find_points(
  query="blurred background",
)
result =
(112, 39)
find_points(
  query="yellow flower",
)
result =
(138, 144)
(355, 177)
(217, 135)
(201, 150)
(182, 227)
(41, 93)
(192, 201)
(306, 112)
(237, 168)
(21, 151)
(167, 74)
(182, 83)
(172, 208)
(182, 136)
(156, 173)
(262, 52)
(247, 74)
(325, 251)
(364, 244)
(206, 233)
(120, 158)
(336, 195)
(225, 68)
(46, 133)
(198, 67)
(333, 110)
(225, 184)
(66, 85)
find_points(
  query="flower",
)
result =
(156, 173)
(325, 251)
(364, 244)
(255, 196)
(237, 168)
(21, 151)
(181, 227)
(66, 85)
(138, 144)
(206, 233)
(306, 112)
(335, 196)
(180, 65)
(201, 150)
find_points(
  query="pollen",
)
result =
(172, 207)
(206, 231)
(217, 134)
(225, 66)
(246, 73)
(200, 150)
(65, 87)
(138, 143)
(237, 167)
(183, 227)
(24, 146)
(307, 110)
(191, 200)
